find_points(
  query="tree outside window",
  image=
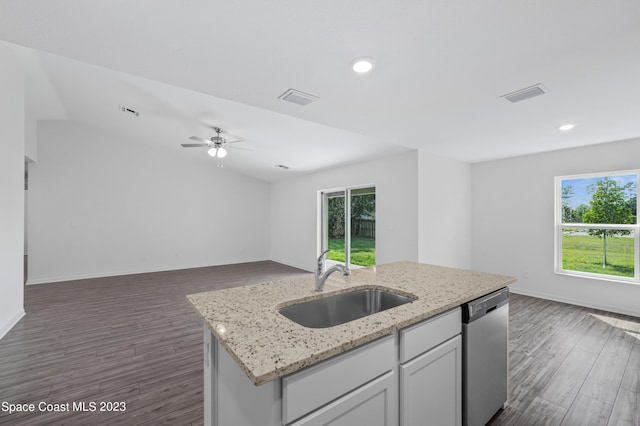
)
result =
(596, 225)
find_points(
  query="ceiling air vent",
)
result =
(526, 93)
(297, 97)
(130, 111)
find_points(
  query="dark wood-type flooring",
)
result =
(131, 338)
(570, 365)
(136, 339)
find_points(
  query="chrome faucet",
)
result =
(322, 275)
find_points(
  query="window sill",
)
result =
(598, 277)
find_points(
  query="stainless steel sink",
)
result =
(344, 307)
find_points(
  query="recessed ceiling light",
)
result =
(566, 127)
(362, 65)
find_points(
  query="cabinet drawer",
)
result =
(320, 384)
(423, 336)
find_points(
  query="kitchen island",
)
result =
(257, 361)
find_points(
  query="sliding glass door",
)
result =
(347, 225)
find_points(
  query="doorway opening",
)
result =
(348, 225)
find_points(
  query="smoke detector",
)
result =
(526, 93)
(297, 97)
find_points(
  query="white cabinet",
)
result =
(420, 337)
(374, 404)
(316, 386)
(410, 378)
(431, 386)
(431, 371)
(230, 398)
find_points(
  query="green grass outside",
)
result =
(579, 253)
(363, 250)
(584, 253)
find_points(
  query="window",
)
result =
(351, 241)
(596, 226)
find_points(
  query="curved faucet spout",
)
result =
(322, 275)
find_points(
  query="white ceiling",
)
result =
(441, 67)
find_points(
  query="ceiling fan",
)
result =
(217, 145)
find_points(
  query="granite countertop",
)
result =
(267, 345)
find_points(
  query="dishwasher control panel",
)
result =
(482, 306)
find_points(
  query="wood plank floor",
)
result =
(131, 338)
(571, 366)
(136, 339)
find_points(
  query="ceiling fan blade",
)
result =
(195, 138)
(236, 141)
(194, 145)
(237, 147)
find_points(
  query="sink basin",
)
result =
(344, 307)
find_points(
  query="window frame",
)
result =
(559, 225)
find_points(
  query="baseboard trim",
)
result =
(304, 268)
(583, 303)
(6, 328)
(49, 280)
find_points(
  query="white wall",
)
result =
(512, 223)
(294, 209)
(102, 205)
(30, 135)
(11, 189)
(444, 211)
(31, 155)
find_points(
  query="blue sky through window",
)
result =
(580, 187)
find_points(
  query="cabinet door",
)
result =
(431, 387)
(374, 404)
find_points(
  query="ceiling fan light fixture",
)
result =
(217, 146)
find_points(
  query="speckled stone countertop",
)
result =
(267, 345)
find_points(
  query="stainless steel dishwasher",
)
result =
(485, 328)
